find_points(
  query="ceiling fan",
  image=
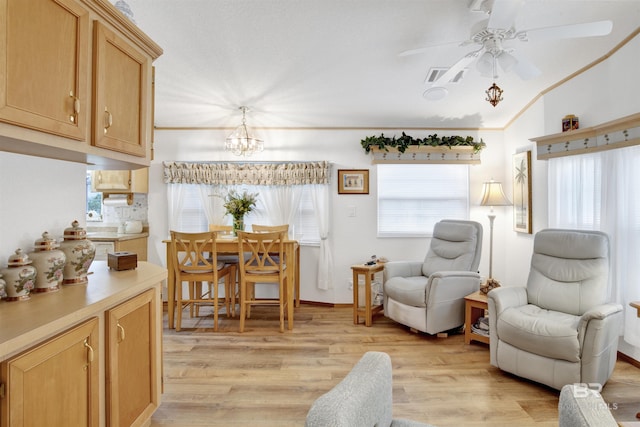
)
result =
(490, 35)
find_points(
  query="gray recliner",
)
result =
(364, 398)
(559, 329)
(429, 295)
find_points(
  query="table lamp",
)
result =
(493, 195)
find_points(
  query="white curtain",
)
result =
(212, 198)
(175, 201)
(320, 198)
(281, 203)
(599, 191)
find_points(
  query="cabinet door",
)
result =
(111, 180)
(120, 181)
(56, 383)
(138, 246)
(133, 359)
(121, 92)
(44, 48)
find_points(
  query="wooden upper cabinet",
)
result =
(43, 72)
(120, 181)
(122, 92)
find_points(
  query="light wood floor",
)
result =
(266, 378)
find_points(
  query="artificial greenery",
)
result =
(383, 142)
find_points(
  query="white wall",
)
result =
(606, 92)
(37, 195)
(353, 239)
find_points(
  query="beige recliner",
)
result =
(429, 295)
(559, 329)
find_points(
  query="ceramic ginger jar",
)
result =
(80, 253)
(3, 292)
(49, 262)
(19, 277)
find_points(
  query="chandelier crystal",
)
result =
(242, 141)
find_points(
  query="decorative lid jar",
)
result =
(3, 292)
(79, 252)
(49, 262)
(19, 276)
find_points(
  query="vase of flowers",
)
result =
(238, 205)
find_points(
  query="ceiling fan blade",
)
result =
(589, 29)
(431, 46)
(456, 68)
(503, 14)
(524, 68)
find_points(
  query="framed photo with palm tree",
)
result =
(522, 192)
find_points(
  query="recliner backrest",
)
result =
(569, 270)
(456, 245)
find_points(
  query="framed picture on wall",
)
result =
(353, 181)
(522, 192)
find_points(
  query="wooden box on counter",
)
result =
(122, 260)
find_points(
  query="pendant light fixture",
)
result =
(494, 94)
(242, 142)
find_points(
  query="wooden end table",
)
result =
(475, 306)
(368, 271)
(636, 305)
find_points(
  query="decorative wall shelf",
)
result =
(426, 154)
(617, 133)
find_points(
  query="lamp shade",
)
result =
(493, 195)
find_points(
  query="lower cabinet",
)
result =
(55, 384)
(139, 246)
(58, 383)
(132, 367)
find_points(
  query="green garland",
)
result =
(383, 142)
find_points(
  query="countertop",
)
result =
(25, 323)
(112, 236)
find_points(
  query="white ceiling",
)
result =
(335, 63)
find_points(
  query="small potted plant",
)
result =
(238, 205)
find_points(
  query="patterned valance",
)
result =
(231, 173)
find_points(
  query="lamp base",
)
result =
(488, 285)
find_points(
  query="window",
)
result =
(412, 198)
(94, 202)
(192, 216)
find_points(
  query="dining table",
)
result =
(226, 245)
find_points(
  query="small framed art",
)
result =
(522, 192)
(353, 181)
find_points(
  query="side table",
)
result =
(368, 271)
(475, 306)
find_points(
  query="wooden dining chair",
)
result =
(231, 294)
(260, 251)
(195, 261)
(266, 228)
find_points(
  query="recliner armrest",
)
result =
(507, 296)
(451, 285)
(402, 269)
(601, 312)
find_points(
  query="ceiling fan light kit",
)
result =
(493, 33)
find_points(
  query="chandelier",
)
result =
(494, 94)
(242, 142)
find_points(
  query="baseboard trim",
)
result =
(629, 359)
